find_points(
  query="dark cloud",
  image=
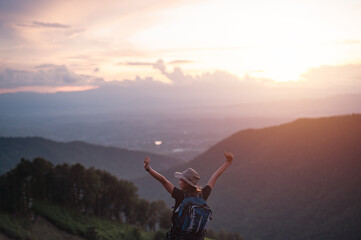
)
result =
(46, 75)
(50, 25)
(95, 70)
(37, 24)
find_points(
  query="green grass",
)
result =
(91, 228)
(15, 227)
(63, 219)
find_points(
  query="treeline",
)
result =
(90, 191)
(38, 187)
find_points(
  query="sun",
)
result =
(274, 42)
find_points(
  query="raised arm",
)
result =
(166, 184)
(229, 158)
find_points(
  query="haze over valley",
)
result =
(174, 128)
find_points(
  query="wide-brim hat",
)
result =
(190, 176)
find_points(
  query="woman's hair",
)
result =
(192, 190)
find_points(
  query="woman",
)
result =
(188, 180)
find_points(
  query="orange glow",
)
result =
(275, 40)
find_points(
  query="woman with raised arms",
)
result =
(188, 187)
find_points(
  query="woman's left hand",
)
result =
(229, 156)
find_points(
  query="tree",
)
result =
(41, 171)
(165, 218)
(159, 213)
(77, 175)
(142, 210)
(61, 185)
(91, 190)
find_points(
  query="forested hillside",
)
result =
(299, 180)
(90, 190)
(89, 203)
(58, 192)
(122, 163)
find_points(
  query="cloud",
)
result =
(45, 75)
(160, 66)
(335, 79)
(50, 25)
(45, 66)
(68, 31)
(37, 24)
(221, 86)
(351, 42)
(180, 62)
(142, 82)
(210, 81)
(341, 78)
(137, 63)
(217, 79)
(208, 87)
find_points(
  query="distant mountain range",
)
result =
(122, 163)
(299, 180)
(118, 101)
(116, 116)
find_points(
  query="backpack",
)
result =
(192, 215)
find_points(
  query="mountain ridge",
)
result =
(119, 161)
(297, 180)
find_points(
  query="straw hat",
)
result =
(190, 176)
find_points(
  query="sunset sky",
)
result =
(65, 45)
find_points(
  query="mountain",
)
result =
(299, 180)
(122, 163)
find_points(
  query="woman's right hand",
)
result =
(146, 163)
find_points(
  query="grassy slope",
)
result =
(59, 224)
(56, 223)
